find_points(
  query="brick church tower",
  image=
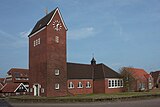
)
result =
(47, 56)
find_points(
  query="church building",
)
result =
(49, 72)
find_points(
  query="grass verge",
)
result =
(86, 98)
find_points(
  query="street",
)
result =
(138, 103)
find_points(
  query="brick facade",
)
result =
(47, 56)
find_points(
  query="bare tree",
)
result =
(128, 79)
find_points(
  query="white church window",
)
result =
(71, 85)
(88, 85)
(80, 85)
(115, 83)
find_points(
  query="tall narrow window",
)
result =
(57, 86)
(109, 83)
(113, 83)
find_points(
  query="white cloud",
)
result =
(16, 41)
(81, 33)
(25, 34)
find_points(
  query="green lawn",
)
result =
(92, 96)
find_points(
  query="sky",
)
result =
(118, 33)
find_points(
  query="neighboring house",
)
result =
(10, 89)
(51, 75)
(18, 75)
(156, 77)
(92, 78)
(137, 79)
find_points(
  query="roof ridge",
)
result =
(77, 63)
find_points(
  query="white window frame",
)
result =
(114, 83)
(88, 85)
(80, 85)
(71, 85)
(56, 72)
(57, 86)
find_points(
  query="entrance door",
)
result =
(36, 89)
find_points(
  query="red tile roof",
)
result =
(18, 72)
(137, 73)
(10, 87)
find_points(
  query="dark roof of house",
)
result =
(79, 71)
(87, 71)
(102, 71)
(42, 22)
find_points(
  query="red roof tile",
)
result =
(10, 87)
(137, 73)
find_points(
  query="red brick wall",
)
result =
(46, 57)
(112, 90)
(84, 90)
(37, 60)
(56, 58)
(99, 86)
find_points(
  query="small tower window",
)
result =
(57, 86)
(56, 71)
(57, 39)
(36, 42)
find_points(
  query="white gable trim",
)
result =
(57, 10)
(37, 31)
(3, 86)
(19, 86)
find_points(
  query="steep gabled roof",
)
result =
(11, 87)
(45, 21)
(103, 71)
(87, 71)
(79, 71)
(110, 73)
(137, 73)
